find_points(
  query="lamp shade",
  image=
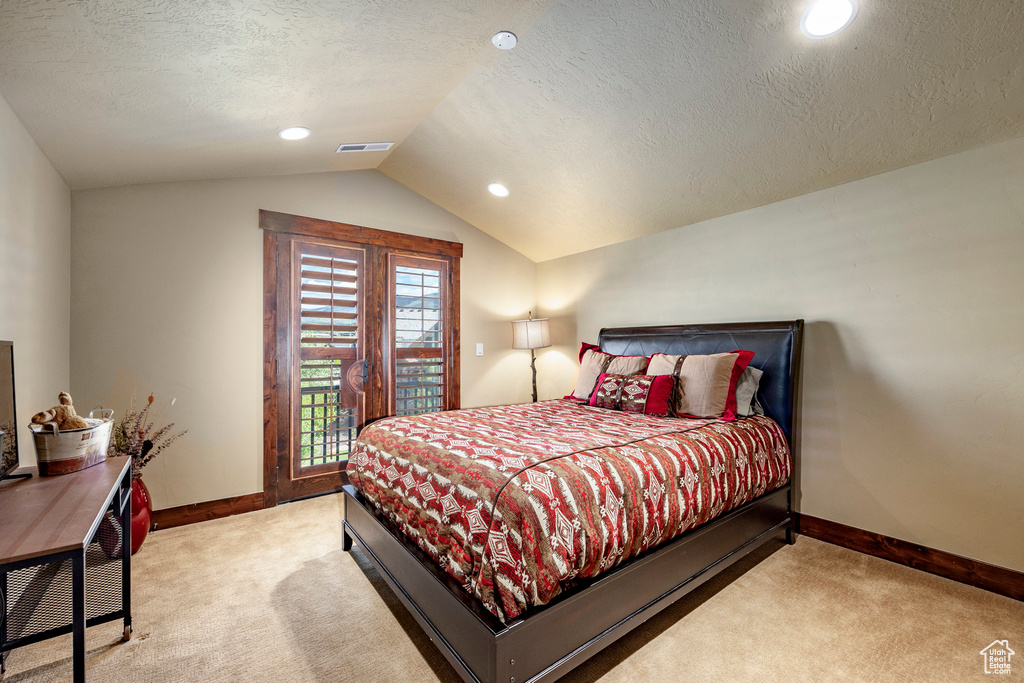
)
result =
(531, 334)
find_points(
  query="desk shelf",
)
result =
(38, 598)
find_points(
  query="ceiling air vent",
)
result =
(365, 147)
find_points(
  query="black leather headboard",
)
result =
(776, 348)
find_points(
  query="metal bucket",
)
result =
(60, 452)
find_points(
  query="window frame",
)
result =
(280, 230)
(448, 320)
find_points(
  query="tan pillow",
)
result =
(627, 365)
(662, 364)
(595, 362)
(705, 383)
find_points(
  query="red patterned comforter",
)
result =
(517, 502)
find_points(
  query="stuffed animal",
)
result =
(64, 415)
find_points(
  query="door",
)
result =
(328, 336)
(359, 324)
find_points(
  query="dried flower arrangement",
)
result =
(133, 435)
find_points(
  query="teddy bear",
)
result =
(64, 415)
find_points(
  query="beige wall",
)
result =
(912, 284)
(35, 281)
(168, 298)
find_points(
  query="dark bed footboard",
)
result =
(549, 641)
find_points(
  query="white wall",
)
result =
(35, 281)
(912, 285)
(168, 298)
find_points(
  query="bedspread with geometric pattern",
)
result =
(518, 502)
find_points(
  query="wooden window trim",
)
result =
(278, 228)
(272, 221)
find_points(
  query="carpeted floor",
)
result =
(270, 596)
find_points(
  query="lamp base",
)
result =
(533, 367)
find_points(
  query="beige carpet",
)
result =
(270, 596)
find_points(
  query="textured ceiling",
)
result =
(132, 91)
(613, 120)
(610, 120)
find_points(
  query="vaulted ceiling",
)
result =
(608, 121)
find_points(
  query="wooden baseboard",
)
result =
(211, 509)
(965, 570)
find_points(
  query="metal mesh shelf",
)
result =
(39, 597)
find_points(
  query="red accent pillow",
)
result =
(606, 391)
(646, 394)
(660, 396)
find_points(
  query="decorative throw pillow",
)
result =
(593, 362)
(644, 394)
(707, 384)
(746, 393)
(606, 392)
(647, 394)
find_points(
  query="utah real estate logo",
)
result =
(997, 657)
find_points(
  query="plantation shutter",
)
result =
(328, 284)
(420, 324)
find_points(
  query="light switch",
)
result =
(479, 349)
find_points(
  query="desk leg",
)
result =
(78, 614)
(126, 565)
(3, 621)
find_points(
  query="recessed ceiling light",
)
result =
(826, 18)
(497, 189)
(293, 133)
(504, 40)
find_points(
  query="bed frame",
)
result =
(548, 641)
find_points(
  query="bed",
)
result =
(517, 575)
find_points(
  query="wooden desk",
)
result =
(47, 523)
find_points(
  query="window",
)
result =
(418, 291)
